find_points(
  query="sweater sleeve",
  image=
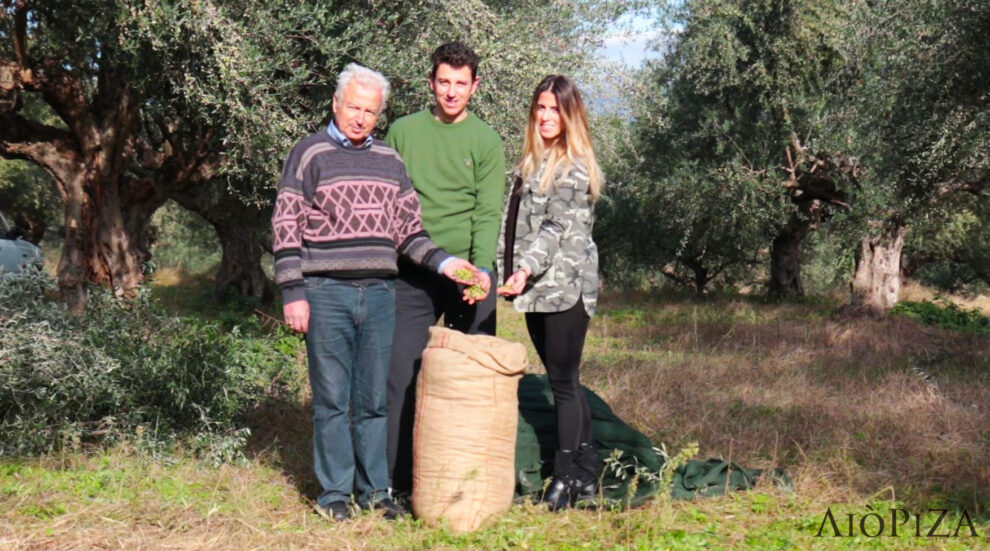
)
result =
(489, 190)
(288, 221)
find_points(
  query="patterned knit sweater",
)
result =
(345, 212)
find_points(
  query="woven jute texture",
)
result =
(464, 437)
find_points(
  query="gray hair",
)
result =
(364, 76)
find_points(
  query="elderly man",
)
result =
(345, 209)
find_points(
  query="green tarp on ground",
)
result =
(537, 440)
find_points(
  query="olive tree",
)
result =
(732, 136)
(147, 98)
(921, 126)
(199, 100)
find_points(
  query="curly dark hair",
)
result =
(455, 54)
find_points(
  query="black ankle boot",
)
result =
(589, 470)
(562, 491)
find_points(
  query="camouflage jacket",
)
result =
(553, 241)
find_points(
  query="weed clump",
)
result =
(124, 369)
(945, 314)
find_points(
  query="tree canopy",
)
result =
(765, 119)
(199, 100)
(762, 121)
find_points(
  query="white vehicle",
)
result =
(15, 252)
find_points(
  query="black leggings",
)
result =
(559, 340)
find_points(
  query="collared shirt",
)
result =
(340, 138)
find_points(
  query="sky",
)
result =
(629, 42)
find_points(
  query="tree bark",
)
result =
(876, 284)
(106, 237)
(240, 270)
(71, 274)
(113, 167)
(813, 189)
(701, 280)
(696, 278)
(785, 262)
(237, 225)
(87, 156)
(105, 217)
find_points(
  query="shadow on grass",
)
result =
(282, 437)
(192, 295)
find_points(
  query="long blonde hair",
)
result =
(573, 143)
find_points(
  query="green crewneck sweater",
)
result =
(458, 171)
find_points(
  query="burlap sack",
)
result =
(464, 438)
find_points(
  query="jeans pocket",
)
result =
(318, 282)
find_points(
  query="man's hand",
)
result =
(476, 282)
(479, 291)
(515, 284)
(461, 271)
(296, 315)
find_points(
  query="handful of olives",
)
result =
(475, 292)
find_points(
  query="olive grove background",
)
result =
(768, 137)
(775, 170)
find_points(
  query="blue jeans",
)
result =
(349, 344)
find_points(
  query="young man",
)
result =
(345, 207)
(457, 165)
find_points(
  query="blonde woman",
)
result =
(551, 267)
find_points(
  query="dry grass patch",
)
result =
(915, 292)
(851, 406)
(859, 412)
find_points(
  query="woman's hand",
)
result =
(515, 284)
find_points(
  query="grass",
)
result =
(915, 292)
(185, 293)
(859, 412)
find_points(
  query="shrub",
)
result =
(952, 277)
(124, 368)
(944, 313)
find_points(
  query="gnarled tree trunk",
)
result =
(240, 265)
(876, 284)
(785, 262)
(698, 278)
(106, 237)
(87, 156)
(112, 165)
(237, 225)
(812, 182)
